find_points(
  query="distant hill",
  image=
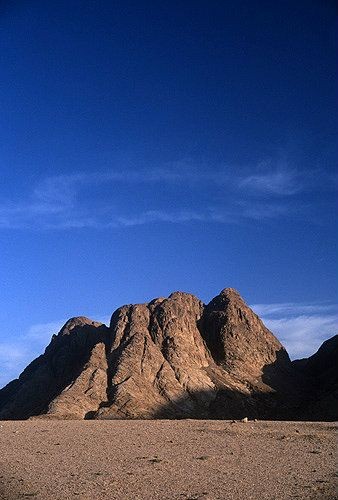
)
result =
(174, 357)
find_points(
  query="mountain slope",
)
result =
(171, 358)
(321, 371)
(50, 374)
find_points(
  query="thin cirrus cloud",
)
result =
(16, 354)
(59, 202)
(281, 183)
(301, 328)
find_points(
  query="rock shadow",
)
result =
(282, 394)
(49, 374)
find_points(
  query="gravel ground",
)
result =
(162, 459)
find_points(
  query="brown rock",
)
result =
(171, 358)
(237, 338)
(42, 383)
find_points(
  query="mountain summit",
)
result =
(174, 357)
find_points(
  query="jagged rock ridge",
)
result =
(171, 358)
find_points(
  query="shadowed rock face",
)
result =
(56, 382)
(171, 358)
(322, 370)
(237, 338)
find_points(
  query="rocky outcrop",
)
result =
(68, 361)
(158, 360)
(237, 338)
(171, 358)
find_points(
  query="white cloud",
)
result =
(286, 308)
(42, 332)
(301, 328)
(46, 218)
(59, 202)
(280, 182)
(13, 359)
(303, 335)
(160, 216)
(11, 354)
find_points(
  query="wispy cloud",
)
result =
(236, 214)
(301, 328)
(41, 333)
(280, 182)
(291, 308)
(160, 216)
(12, 357)
(282, 179)
(74, 201)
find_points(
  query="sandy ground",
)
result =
(186, 459)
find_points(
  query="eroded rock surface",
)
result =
(58, 371)
(171, 358)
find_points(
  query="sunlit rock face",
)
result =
(174, 357)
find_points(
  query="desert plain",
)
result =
(167, 459)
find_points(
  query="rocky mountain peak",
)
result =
(231, 293)
(78, 321)
(236, 336)
(172, 357)
(229, 300)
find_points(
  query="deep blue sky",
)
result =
(148, 147)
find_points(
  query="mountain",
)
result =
(174, 357)
(322, 370)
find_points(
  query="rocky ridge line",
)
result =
(171, 358)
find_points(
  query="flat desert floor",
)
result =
(163, 459)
